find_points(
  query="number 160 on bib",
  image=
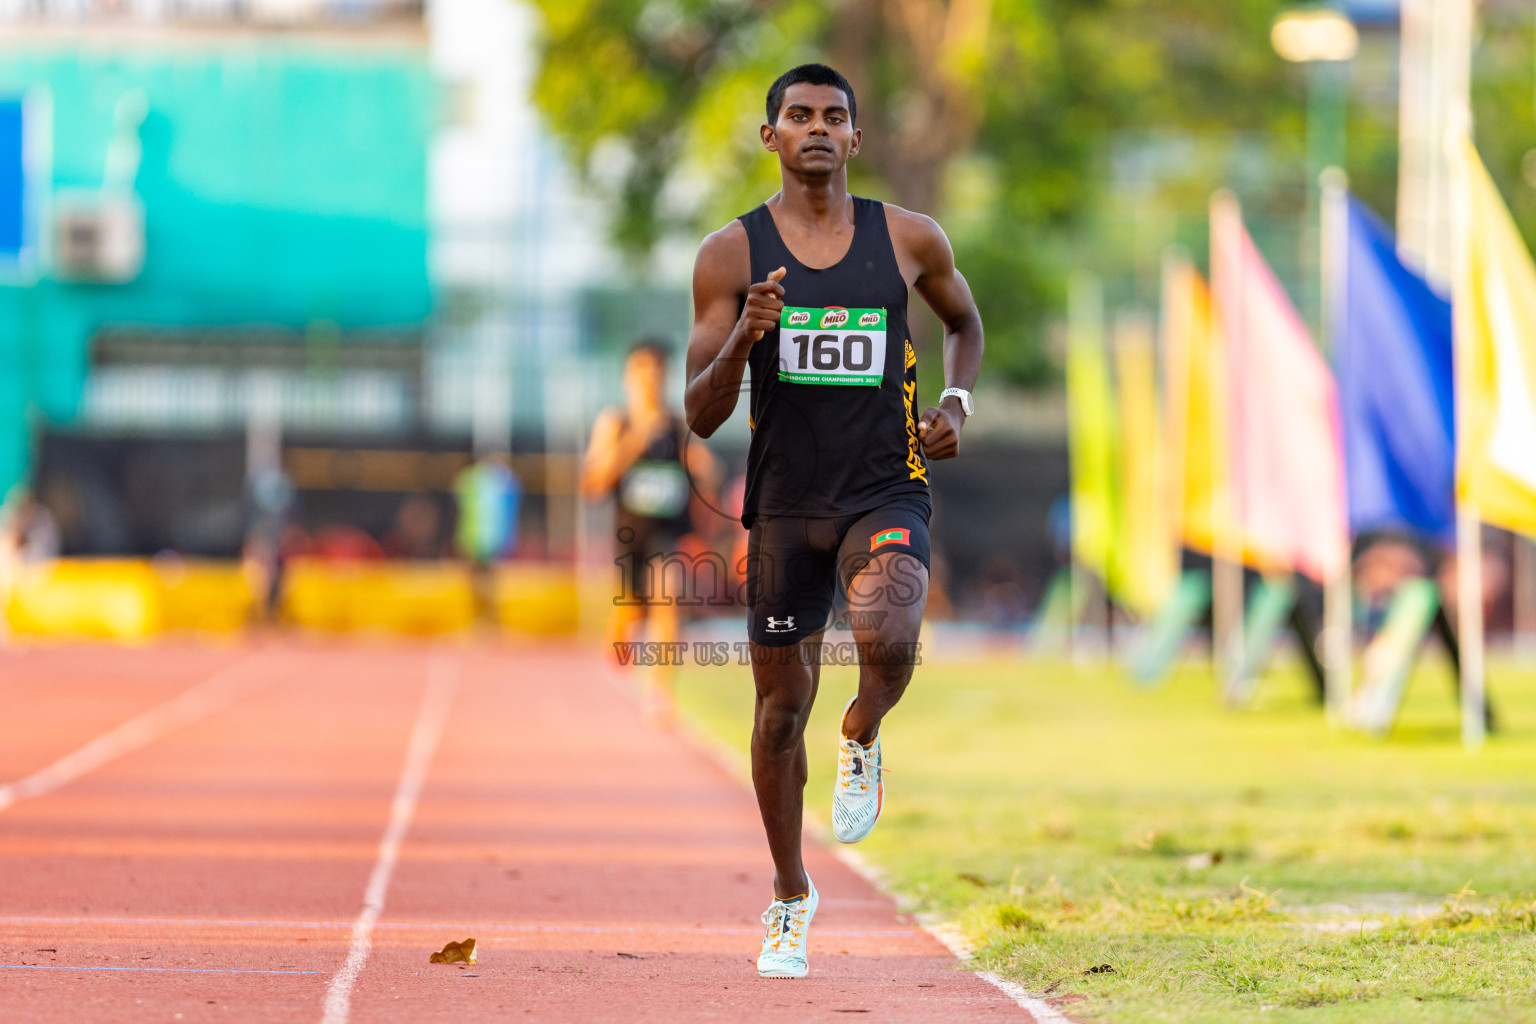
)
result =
(832, 346)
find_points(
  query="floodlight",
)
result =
(1314, 33)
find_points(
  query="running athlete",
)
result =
(638, 455)
(810, 291)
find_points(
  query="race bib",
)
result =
(832, 346)
(657, 490)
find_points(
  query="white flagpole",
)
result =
(1469, 529)
(1434, 82)
(1338, 593)
(1226, 544)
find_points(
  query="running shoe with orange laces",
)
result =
(860, 789)
(784, 943)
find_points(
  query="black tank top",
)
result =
(653, 493)
(834, 389)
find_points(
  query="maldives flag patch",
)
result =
(889, 537)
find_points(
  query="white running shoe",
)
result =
(783, 954)
(860, 789)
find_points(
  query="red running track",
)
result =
(208, 860)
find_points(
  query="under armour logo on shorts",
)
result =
(783, 625)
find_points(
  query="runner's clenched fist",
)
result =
(939, 429)
(765, 301)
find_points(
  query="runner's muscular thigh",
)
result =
(893, 587)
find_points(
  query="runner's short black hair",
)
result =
(809, 74)
(654, 347)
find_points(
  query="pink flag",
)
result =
(1286, 443)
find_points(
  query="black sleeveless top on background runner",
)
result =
(833, 433)
(653, 493)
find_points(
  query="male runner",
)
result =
(810, 289)
(638, 456)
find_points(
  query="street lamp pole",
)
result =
(1325, 40)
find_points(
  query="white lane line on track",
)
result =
(954, 940)
(213, 694)
(431, 717)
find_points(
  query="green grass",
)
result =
(1223, 864)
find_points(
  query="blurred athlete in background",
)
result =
(640, 455)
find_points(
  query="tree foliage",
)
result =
(1005, 118)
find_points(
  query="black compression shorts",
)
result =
(796, 563)
(642, 547)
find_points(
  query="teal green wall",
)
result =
(282, 184)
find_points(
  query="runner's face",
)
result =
(814, 133)
(643, 379)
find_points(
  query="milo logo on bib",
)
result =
(833, 345)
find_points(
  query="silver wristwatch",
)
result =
(964, 396)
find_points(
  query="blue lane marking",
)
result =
(174, 970)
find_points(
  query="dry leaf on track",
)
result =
(455, 953)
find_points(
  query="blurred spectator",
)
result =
(30, 530)
(343, 542)
(1058, 524)
(1498, 577)
(489, 496)
(1002, 592)
(28, 533)
(417, 531)
(270, 506)
(1384, 563)
(85, 520)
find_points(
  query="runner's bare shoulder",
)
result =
(921, 245)
(724, 264)
(914, 233)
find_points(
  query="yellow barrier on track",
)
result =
(429, 597)
(136, 599)
(539, 599)
(108, 599)
(416, 598)
(204, 596)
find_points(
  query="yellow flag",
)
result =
(1496, 321)
(1197, 423)
(1196, 420)
(1146, 549)
(1090, 433)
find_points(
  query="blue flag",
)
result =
(1393, 360)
